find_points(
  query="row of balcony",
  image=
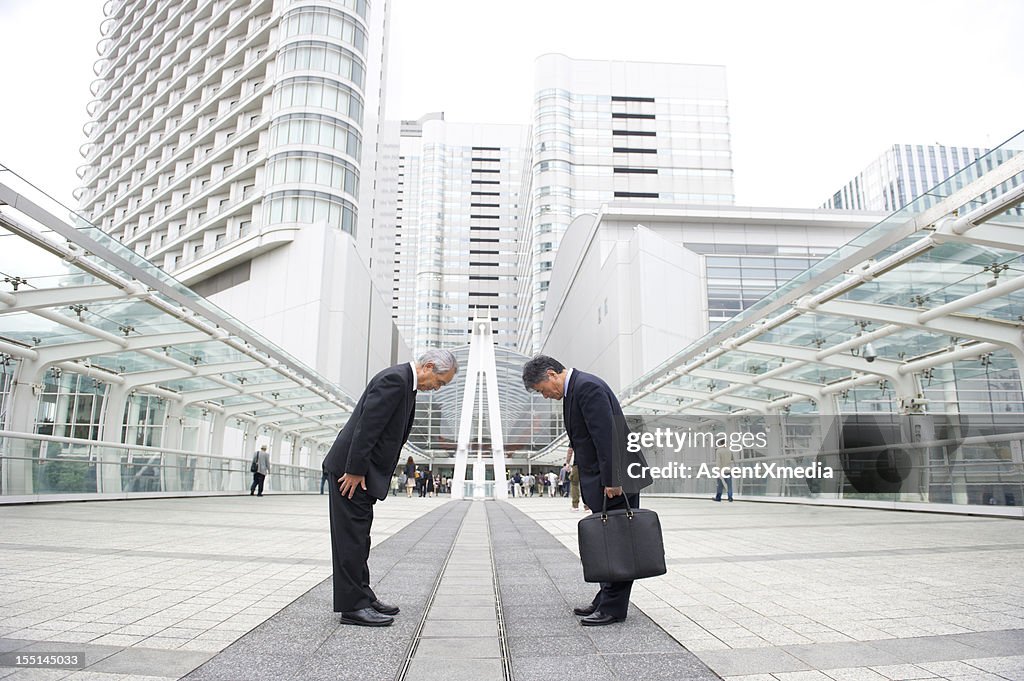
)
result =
(169, 87)
(197, 188)
(194, 133)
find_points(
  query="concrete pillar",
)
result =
(109, 477)
(62, 412)
(207, 472)
(915, 427)
(23, 403)
(131, 420)
(248, 439)
(830, 429)
(170, 479)
(217, 429)
(242, 479)
(774, 487)
(276, 440)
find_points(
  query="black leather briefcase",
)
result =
(621, 545)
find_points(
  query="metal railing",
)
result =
(980, 475)
(43, 467)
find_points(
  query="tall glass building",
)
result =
(233, 141)
(455, 207)
(606, 131)
(901, 173)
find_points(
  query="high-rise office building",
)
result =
(456, 223)
(233, 143)
(622, 132)
(901, 173)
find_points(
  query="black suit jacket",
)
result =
(371, 442)
(597, 433)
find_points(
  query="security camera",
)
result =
(869, 353)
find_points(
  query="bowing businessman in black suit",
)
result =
(597, 433)
(362, 461)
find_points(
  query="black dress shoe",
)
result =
(366, 617)
(599, 619)
(584, 610)
(384, 608)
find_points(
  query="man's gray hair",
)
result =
(444, 361)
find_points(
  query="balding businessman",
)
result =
(361, 462)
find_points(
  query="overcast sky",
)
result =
(817, 89)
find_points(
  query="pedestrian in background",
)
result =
(260, 470)
(410, 476)
(724, 460)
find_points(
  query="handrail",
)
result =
(9, 434)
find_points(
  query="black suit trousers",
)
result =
(350, 548)
(613, 598)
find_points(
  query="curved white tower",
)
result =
(233, 144)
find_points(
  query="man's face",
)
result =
(429, 381)
(552, 387)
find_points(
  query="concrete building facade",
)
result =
(632, 286)
(626, 132)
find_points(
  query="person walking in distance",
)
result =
(563, 477)
(361, 461)
(724, 460)
(410, 476)
(261, 462)
(598, 434)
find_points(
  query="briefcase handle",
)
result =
(604, 508)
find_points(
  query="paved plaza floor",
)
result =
(239, 588)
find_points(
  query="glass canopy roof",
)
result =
(939, 282)
(528, 421)
(74, 298)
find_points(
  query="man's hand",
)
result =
(348, 483)
(612, 492)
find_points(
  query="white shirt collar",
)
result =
(565, 389)
(413, 365)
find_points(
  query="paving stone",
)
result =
(146, 661)
(459, 648)
(476, 600)
(461, 612)
(455, 670)
(450, 628)
(925, 649)
(837, 655)
(571, 645)
(752, 661)
(589, 667)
